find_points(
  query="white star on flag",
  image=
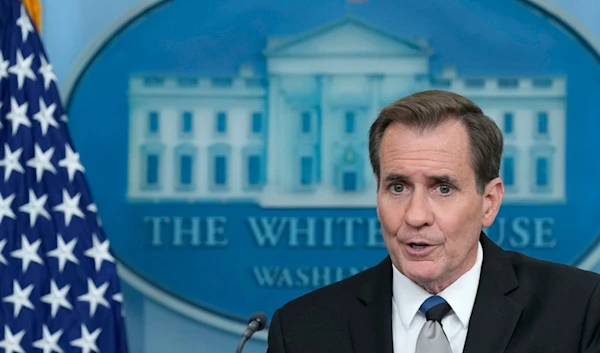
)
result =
(71, 162)
(12, 342)
(41, 162)
(49, 342)
(3, 67)
(6, 207)
(47, 72)
(69, 206)
(95, 296)
(20, 297)
(10, 162)
(57, 297)
(100, 252)
(35, 207)
(87, 342)
(28, 252)
(22, 69)
(2, 245)
(45, 116)
(64, 252)
(25, 23)
(18, 115)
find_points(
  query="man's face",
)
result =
(429, 209)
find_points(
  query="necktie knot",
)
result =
(435, 308)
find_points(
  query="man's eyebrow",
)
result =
(395, 177)
(443, 179)
(434, 179)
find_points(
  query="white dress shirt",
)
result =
(407, 320)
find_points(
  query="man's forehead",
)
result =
(449, 137)
(450, 140)
(430, 165)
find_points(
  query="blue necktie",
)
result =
(432, 338)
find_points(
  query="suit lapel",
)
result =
(495, 314)
(371, 324)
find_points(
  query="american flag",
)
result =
(59, 290)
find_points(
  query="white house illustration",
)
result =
(297, 136)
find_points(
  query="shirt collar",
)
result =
(409, 296)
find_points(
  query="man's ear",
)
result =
(492, 199)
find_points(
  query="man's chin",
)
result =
(422, 273)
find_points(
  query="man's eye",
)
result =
(397, 188)
(445, 189)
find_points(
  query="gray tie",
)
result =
(432, 338)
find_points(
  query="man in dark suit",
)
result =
(445, 286)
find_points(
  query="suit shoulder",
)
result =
(560, 274)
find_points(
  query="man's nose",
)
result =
(419, 213)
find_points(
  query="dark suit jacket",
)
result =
(522, 305)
